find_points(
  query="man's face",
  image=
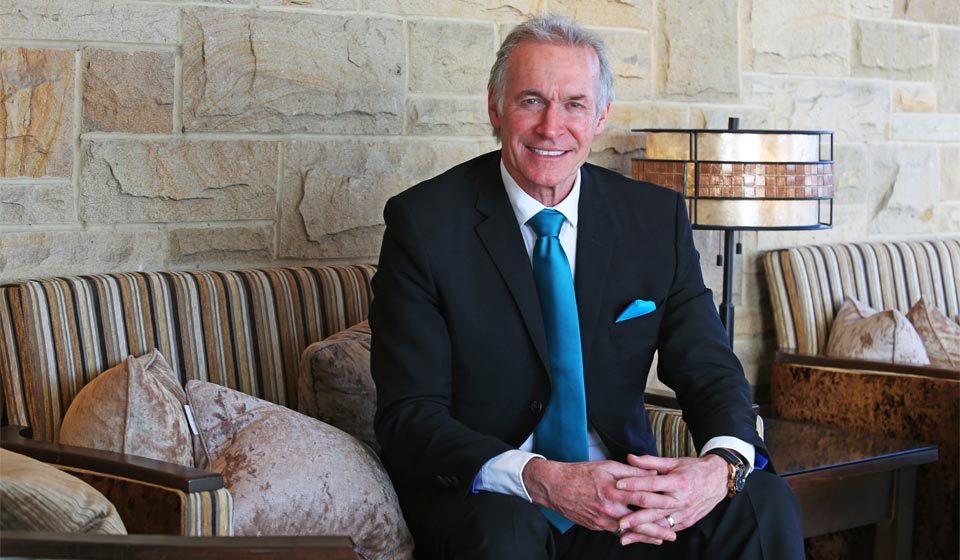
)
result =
(549, 115)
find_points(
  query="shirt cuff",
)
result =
(747, 450)
(504, 474)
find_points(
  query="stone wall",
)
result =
(234, 133)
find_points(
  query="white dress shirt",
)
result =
(504, 473)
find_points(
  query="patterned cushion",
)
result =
(862, 333)
(809, 284)
(336, 386)
(136, 408)
(940, 335)
(38, 497)
(294, 475)
(242, 329)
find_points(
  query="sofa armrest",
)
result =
(174, 547)
(151, 496)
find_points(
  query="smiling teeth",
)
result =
(547, 152)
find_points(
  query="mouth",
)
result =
(547, 153)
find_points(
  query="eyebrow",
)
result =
(537, 93)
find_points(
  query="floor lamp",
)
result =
(736, 180)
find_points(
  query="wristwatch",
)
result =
(738, 469)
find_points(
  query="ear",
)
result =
(493, 111)
(602, 121)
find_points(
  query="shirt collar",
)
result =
(525, 206)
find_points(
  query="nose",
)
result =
(551, 122)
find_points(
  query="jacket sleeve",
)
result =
(422, 444)
(695, 357)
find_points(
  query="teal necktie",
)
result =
(562, 432)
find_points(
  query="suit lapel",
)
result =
(596, 236)
(501, 237)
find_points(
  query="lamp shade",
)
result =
(744, 179)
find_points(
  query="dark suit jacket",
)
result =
(459, 353)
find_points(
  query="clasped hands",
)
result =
(635, 498)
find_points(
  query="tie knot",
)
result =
(546, 223)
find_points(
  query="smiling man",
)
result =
(519, 300)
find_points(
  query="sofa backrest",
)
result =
(241, 329)
(809, 284)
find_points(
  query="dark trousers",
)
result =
(761, 522)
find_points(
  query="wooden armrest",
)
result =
(821, 361)
(169, 475)
(176, 547)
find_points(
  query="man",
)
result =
(471, 362)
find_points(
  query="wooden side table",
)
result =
(848, 479)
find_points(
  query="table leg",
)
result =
(894, 538)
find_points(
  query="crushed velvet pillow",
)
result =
(136, 407)
(290, 474)
(336, 385)
(862, 333)
(940, 335)
(38, 497)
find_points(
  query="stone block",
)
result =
(631, 14)
(127, 92)
(949, 217)
(856, 111)
(177, 181)
(871, 8)
(904, 189)
(88, 251)
(450, 57)
(629, 56)
(271, 71)
(717, 116)
(892, 51)
(950, 173)
(914, 98)
(932, 11)
(925, 127)
(689, 67)
(809, 37)
(851, 174)
(213, 246)
(448, 116)
(334, 191)
(948, 71)
(37, 87)
(625, 117)
(479, 9)
(38, 203)
(350, 5)
(89, 20)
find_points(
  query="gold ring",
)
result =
(670, 521)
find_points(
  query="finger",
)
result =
(647, 500)
(662, 483)
(649, 462)
(620, 470)
(649, 533)
(644, 516)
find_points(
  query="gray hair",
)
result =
(548, 28)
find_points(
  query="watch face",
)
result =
(739, 478)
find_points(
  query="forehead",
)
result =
(537, 65)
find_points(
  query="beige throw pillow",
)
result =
(336, 385)
(862, 333)
(940, 335)
(37, 497)
(290, 474)
(136, 407)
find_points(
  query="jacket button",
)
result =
(536, 407)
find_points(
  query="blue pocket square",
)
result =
(637, 309)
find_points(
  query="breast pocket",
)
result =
(636, 338)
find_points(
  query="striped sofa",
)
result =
(244, 330)
(248, 330)
(807, 286)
